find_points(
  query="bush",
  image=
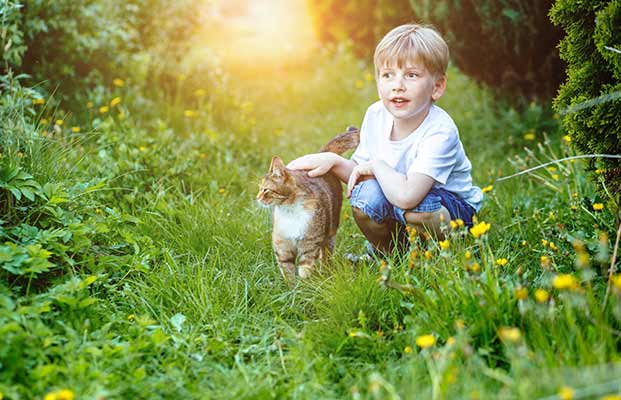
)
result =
(591, 112)
(363, 22)
(509, 45)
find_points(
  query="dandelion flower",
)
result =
(44, 121)
(425, 341)
(131, 317)
(368, 77)
(530, 135)
(222, 190)
(428, 255)
(89, 105)
(553, 246)
(460, 222)
(407, 349)
(444, 244)
(565, 281)
(104, 109)
(450, 341)
(115, 102)
(488, 188)
(521, 293)
(359, 84)
(616, 281)
(501, 262)
(566, 393)
(75, 129)
(190, 113)
(541, 295)
(468, 254)
(598, 206)
(38, 101)
(480, 229)
(545, 261)
(118, 82)
(59, 122)
(475, 267)
(65, 394)
(510, 334)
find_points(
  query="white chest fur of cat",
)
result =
(291, 221)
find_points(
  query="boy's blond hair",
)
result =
(415, 43)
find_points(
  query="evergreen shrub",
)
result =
(590, 99)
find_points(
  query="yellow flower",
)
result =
(103, 109)
(200, 93)
(131, 317)
(59, 122)
(222, 190)
(475, 267)
(521, 293)
(428, 255)
(51, 396)
(460, 222)
(480, 229)
(598, 206)
(582, 259)
(368, 76)
(453, 224)
(566, 393)
(407, 349)
(616, 281)
(450, 341)
(544, 242)
(425, 341)
(118, 82)
(115, 102)
(510, 334)
(44, 121)
(524, 243)
(75, 129)
(545, 261)
(444, 244)
(142, 148)
(181, 77)
(65, 394)
(553, 246)
(89, 104)
(190, 113)
(611, 397)
(501, 262)
(460, 324)
(556, 177)
(488, 188)
(541, 295)
(468, 254)
(530, 135)
(565, 281)
(359, 84)
(38, 101)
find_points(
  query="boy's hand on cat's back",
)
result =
(317, 164)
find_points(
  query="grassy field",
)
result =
(137, 264)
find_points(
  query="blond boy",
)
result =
(410, 167)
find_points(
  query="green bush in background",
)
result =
(590, 100)
(363, 22)
(509, 45)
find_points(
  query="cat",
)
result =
(305, 211)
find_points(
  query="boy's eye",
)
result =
(412, 74)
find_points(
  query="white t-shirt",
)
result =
(433, 149)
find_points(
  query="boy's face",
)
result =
(408, 92)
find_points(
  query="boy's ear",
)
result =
(277, 167)
(438, 87)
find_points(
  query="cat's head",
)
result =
(277, 186)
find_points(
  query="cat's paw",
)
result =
(305, 271)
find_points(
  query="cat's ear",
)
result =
(277, 167)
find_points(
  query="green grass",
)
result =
(188, 301)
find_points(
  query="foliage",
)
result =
(589, 100)
(508, 45)
(364, 23)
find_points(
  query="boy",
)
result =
(410, 167)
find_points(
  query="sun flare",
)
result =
(261, 31)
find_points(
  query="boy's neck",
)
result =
(402, 128)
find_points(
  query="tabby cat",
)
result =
(305, 211)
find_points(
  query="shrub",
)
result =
(509, 45)
(589, 100)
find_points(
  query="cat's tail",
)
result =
(345, 141)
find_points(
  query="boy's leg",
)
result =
(431, 222)
(373, 215)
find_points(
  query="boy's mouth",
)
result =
(399, 101)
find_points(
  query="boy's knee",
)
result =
(359, 215)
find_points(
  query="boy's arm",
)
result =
(405, 192)
(321, 163)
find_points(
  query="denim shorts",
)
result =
(368, 197)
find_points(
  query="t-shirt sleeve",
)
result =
(437, 156)
(361, 154)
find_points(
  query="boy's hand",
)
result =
(318, 164)
(360, 172)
